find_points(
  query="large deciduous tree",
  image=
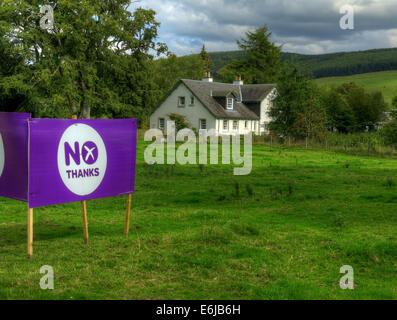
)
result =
(368, 108)
(297, 110)
(92, 61)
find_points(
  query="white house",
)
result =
(227, 108)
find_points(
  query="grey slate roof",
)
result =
(256, 92)
(223, 93)
(246, 93)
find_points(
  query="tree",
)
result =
(167, 71)
(208, 63)
(394, 102)
(294, 92)
(311, 121)
(262, 62)
(93, 60)
(368, 108)
(340, 115)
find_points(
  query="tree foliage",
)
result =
(208, 63)
(295, 92)
(324, 65)
(261, 62)
(82, 65)
(389, 130)
(359, 110)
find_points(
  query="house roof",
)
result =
(208, 93)
(222, 94)
(205, 91)
(256, 92)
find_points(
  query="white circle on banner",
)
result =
(82, 159)
(2, 155)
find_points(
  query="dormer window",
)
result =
(229, 103)
(225, 98)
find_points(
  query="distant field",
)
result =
(284, 234)
(385, 81)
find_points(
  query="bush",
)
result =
(180, 121)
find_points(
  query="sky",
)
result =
(300, 26)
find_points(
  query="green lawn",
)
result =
(386, 82)
(194, 238)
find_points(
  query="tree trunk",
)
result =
(85, 112)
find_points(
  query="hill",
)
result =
(385, 81)
(327, 65)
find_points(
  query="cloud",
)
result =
(303, 26)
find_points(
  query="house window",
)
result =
(235, 125)
(225, 125)
(246, 125)
(181, 101)
(229, 103)
(203, 124)
(161, 123)
(192, 101)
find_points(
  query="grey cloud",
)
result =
(307, 26)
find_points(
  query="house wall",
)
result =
(265, 108)
(241, 126)
(193, 113)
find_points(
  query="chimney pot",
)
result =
(238, 81)
(208, 77)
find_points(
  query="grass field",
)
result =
(386, 82)
(303, 215)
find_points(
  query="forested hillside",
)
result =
(327, 65)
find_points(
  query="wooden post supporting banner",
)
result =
(30, 233)
(128, 215)
(83, 210)
(85, 223)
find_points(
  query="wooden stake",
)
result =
(83, 209)
(128, 215)
(85, 223)
(30, 233)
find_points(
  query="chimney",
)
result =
(238, 81)
(208, 77)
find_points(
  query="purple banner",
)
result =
(14, 155)
(75, 160)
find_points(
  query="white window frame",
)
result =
(192, 100)
(200, 124)
(227, 125)
(235, 125)
(246, 124)
(229, 103)
(161, 119)
(179, 102)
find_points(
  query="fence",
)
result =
(356, 144)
